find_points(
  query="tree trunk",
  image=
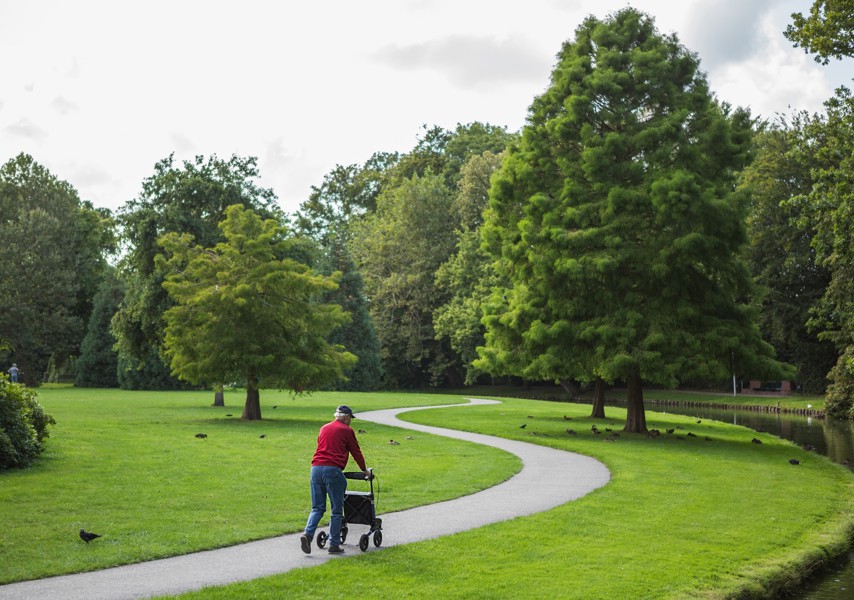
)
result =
(635, 417)
(219, 397)
(599, 400)
(252, 409)
(569, 387)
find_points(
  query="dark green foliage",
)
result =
(23, 425)
(781, 252)
(97, 365)
(829, 209)
(399, 248)
(358, 336)
(150, 373)
(51, 258)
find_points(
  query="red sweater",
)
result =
(335, 442)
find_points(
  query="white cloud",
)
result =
(99, 91)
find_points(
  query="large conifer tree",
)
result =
(617, 220)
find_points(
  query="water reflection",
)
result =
(834, 439)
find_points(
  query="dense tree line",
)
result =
(636, 230)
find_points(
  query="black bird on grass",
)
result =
(201, 435)
(523, 426)
(756, 441)
(794, 461)
(88, 537)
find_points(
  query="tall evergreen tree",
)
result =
(358, 335)
(617, 221)
(97, 365)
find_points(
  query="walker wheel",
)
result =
(363, 543)
(321, 539)
(343, 534)
(378, 538)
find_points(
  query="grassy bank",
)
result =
(710, 515)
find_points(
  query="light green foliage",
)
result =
(617, 220)
(345, 194)
(828, 31)
(468, 275)
(244, 311)
(189, 199)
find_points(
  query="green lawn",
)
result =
(128, 465)
(683, 517)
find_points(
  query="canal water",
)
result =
(834, 439)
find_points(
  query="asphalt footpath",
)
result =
(548, 478)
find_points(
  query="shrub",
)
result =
(23, 425)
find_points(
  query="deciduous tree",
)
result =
(52, 254)
(191, 199)
(781, 252)
(245, 311)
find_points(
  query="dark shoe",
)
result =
(305, 544)
(336, 550)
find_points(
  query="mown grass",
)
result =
(712, 515)
(128, 465)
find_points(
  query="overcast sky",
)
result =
(99, 91)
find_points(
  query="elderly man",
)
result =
(335, 443)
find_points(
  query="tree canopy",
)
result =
(617, 221)
(827, 32)
(188, 199)
(51, 260)
(245, 311)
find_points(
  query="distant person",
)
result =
(13, 373)
(335, 443)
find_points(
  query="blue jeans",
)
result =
(327, 481)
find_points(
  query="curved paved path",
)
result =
(548, 478)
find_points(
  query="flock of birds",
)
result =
(653, 433)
